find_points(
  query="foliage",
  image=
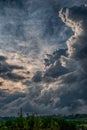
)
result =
(37, 123)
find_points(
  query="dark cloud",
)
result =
(34, 29)
(68, 92)
(77, 53)
(6, 70)
(56, 70)
(27, 83)
(77, 47)
(2, 58)
(12, 3)
(28, 26)
(37, 77)
(53, 65)
(51, 58)
(13, 77)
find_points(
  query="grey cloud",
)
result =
(77, 47)
(51, 58)
(7, 98)
(53, 64)
(6, 70)
(68, 91)
(56, 70)
(59, 88)
(74, 82)
(37, 77)
(33, 22)
(2, 58)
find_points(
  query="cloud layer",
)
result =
(34, 74)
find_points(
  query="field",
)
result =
(44, 123)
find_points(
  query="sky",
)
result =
(43, 56)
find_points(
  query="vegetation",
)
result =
(43, 123)
(37, 123)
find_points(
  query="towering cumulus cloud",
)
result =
(77, 44)
(76, 18)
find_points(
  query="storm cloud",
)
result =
(39, 71)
